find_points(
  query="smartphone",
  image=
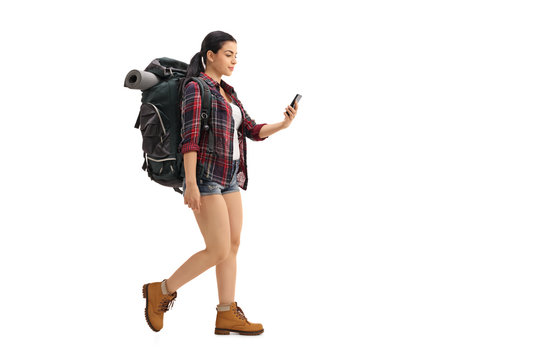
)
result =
(296, 99)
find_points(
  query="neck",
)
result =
(214, 76)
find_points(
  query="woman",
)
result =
(213, 178)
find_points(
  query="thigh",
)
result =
(213, 220)
(234, 209)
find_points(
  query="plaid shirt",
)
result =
(217, 166)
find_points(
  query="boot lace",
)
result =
(240, 314)
(167, 303)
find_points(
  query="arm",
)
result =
(253, 129)
(262, 131)
(192, 196)
(269, 129)
(189, 146)
(190, 165)
(191, 118)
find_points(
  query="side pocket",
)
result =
(155, 136)
(164, 171)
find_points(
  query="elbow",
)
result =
(256, 133)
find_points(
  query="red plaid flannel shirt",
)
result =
(217, 166)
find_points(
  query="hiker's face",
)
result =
(225, 59)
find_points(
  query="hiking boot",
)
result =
(156, 304)
(232, 318)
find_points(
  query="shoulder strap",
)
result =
(206, 110)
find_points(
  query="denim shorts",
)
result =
(207, 187)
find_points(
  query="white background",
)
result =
(396, 218)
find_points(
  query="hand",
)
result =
(192, 197)
(288, 119)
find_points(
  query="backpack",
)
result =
(160, 120)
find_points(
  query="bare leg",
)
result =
(213, 221)
(226, 270)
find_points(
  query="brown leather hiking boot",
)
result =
(156, 304)
(233, 319)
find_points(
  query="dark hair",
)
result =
(213, 41)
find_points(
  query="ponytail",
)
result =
(195, 65)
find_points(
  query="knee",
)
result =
(222, 255)
(219, 253)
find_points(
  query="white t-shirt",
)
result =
(237, 116)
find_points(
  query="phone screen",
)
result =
(297, 99)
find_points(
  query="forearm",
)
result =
(190, 167)
(270, 129)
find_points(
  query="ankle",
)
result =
(224, 306)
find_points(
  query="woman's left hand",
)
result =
(289, 118)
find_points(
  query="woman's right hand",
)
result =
(192, 197)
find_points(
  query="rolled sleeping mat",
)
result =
(142, 80)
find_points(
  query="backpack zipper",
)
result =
(160, 160)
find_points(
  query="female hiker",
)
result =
(212, 183)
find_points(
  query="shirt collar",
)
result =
(228, 88)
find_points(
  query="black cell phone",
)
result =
(296, 99)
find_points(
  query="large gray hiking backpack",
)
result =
(159, 119)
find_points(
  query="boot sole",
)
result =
(219, 331)
(145, 295)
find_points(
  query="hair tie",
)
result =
(202, 59)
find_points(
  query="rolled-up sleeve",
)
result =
(191, 118)
(252, 128)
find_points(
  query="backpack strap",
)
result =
(206, 111)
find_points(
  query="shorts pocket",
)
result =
(208, 186)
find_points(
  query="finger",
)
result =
(293, 111)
